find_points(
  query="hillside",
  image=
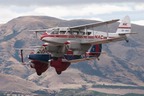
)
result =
(122, 65)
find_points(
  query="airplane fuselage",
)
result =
(76, 40)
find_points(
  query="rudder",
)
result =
(124, 26)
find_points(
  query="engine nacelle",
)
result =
(94, 51)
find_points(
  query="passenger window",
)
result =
(62, 32)
(88, 33)
(81, 33)
(75, 32)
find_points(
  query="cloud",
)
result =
(80, 11)
(8, 13)
(74, 9)
(140, 22)
(139, 7)
(71, 12)
(60, 2)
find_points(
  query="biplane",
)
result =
(66, 45)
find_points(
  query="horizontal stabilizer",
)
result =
(39, 30)
(127, 33)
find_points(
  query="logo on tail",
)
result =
(124, 26)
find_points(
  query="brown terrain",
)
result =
(122, 65)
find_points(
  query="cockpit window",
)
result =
(55, 32)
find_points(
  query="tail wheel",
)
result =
(21, 52)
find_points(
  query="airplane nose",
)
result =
(45, 34)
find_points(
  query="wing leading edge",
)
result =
(92, 25)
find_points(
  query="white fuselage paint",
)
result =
(75, 38)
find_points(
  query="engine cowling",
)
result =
(94, 51)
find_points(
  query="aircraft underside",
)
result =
(42, 61)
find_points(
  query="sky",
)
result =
(74, 9)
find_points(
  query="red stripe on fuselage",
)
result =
(73, 36)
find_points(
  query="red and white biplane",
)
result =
(66, 45)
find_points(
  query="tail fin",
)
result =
(124, 27)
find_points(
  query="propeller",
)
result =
(22, 60)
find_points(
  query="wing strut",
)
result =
(107, 31)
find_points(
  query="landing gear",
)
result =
(127, 40)
(59, 72)
(39, 73)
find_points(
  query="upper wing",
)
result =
(39, 30)
(91, 25)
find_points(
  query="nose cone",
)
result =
(45, 34)
(40, 57)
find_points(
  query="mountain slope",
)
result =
(122, 63)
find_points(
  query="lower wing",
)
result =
(105, 40)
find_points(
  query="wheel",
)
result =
(39, 73)
(59, 72)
